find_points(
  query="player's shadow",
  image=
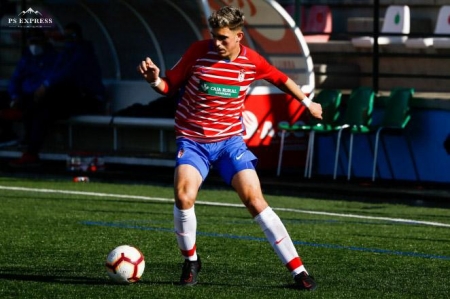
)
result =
(74, 280)
(54, 279)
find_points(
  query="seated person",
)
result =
(72, 85)
(37, 62)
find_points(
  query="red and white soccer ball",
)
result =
(125, 264)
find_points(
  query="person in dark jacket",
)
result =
(36, 64)
(77, 69)
(72, 86)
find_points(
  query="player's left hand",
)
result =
(316, 110)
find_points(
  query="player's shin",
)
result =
(280, 240)
(185, 222)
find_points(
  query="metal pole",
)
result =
(376, 33)
(297, 16)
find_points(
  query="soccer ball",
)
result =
(125, 264)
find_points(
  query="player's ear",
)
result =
(239, 36)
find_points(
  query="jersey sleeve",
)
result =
(266, 71)
(178, 75)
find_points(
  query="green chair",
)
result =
(330, 100)
(357, 119)
(395, 119)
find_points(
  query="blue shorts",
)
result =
(228, 157)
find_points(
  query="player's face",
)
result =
(227, 42)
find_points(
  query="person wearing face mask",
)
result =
(72, 86)
(36, 64)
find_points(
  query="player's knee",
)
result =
(185, 199)
(255, 205)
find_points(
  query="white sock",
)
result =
(280, 240)
(185, 223)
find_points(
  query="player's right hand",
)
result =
(148, 70)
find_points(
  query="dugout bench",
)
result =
(117, 139)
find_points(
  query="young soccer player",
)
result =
(214, 76)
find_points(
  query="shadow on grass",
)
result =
(53, 279)
(243, 285)
(67, 279)
(73, 280)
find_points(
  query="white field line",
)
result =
(207, 203)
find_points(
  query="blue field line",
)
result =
(250, 238)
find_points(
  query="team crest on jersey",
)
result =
(241, 76)
(180, 153)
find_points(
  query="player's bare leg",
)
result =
(247, 185)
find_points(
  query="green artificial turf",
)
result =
(55, 236)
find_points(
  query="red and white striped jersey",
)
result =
(214, 90)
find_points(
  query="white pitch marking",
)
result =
(160, 199)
